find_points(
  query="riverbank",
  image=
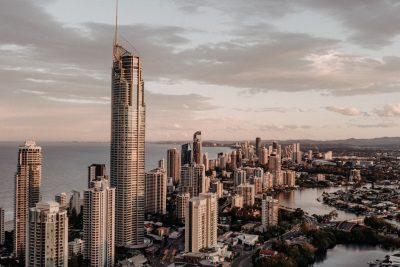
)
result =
(308, 245)
(364, 201)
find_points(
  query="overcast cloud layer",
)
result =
(233, 69)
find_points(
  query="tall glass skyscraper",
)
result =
(127, 171)
(27, 191)
(197, 147)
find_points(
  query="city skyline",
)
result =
(246, 74)
(308, 69)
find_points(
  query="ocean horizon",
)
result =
(65, 166)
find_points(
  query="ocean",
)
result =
(65, 166)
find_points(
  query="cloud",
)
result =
(71, 100)
(367, 23)
(258, 58)
(389, 110)
(287, 127)
(375, 125)
(39, 80)
(59, 69)
(347, 111)
(34, 92)
(270, 109)
(371, 24)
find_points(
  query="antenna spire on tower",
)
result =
(116, 24)
(115, 43)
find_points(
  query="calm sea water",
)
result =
(354, 256)
(65, 166)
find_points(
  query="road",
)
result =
(244, 260)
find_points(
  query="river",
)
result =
(352, 256)
(340, 255)
(306, 199)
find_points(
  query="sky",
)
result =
(234, 69)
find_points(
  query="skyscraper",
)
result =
(2, 236)
(237, 201)
(99, 223)
(247, 191)
(201, 222)
(233, 160)
(197, 148)
(47, 236)
(275, 162)
(127, 145)
(182, 200)
(174, 165)
(96, 172)
(217, 187)
(27, 191)
(269, 211)
(61, 199)
(205, 161)
(264, 156)
(75, 202)
(239, 177)
(186, 154)
(193, 179)
(258, 147)
(156, 191)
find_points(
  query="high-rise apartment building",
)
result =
(197, 148)
(201, 222)
(206, 161)
(75, 247)
(289, 178)
(257, 184)
(267, 181)
(174, 165)
(193, 179)
(278, 178)
(264, 156)
(239, 177)
(96, 172)
(186, 154)
(61, 199)
(258, 147)
(47, 238)
(75, 202)
(182, 200)
(156, 191)
(217, 188)
(2, 236)
(99, 223)
(233, 160)
(247, 191)
(269, 211)
(274, 162)
(237, 201)
(27, 191)
(127, 159)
